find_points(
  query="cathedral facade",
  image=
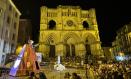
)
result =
(68, 31)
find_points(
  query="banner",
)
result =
(39, 57)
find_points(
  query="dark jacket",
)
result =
(42, 75)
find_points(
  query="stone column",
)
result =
(70, 50)
(80, 49)
(43, 48)
(59, 49)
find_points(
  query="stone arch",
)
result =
(51, 44)
(70, 39)
(52, 24)
(51, 38)
(85, 24)
(71, 35)
(89, 40)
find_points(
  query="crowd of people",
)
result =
(105, 71)
(73, 76)
(40, 75)
(109, 71)
(95, 71)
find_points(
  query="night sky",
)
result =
(110, 15)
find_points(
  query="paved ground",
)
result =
(53, 74)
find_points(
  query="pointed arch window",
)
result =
(52, 25)
(85, 25)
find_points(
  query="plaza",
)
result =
(51, 73)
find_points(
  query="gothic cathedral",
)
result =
(68, 31)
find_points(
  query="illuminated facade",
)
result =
(9, 22)
(109, 55)
(115, 47)
(68, 31)
(122, 42)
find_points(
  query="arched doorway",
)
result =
(51, 45)
(67, 50)
(73, 50)
(51, 25)
(52, 51)
(88, 52)
(70, 50)
(88, 48)
(85, 25)
(70, 40)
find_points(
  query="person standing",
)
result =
(75, 76)
(91, 73)
(32, 76)
(67, 75)
(42, 75)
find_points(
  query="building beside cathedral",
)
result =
(122, 42)
(9, 24)
(69, 31)
(109, 55)
(25, 31)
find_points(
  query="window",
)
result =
(52, 24)
(62, 14)
(4, 46)
(10, 8)
(12, 48)
(70, 23)
(88, 16)
(13, 37)
(85, 25)
(47, 15)
(2, 32)
(0, 11)
(66, 13)
(8, 20)
(16, 15)
(3, 58)
(15, 25)
(50, 14)
(76, 14)
(6, 34)
(73, 14)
